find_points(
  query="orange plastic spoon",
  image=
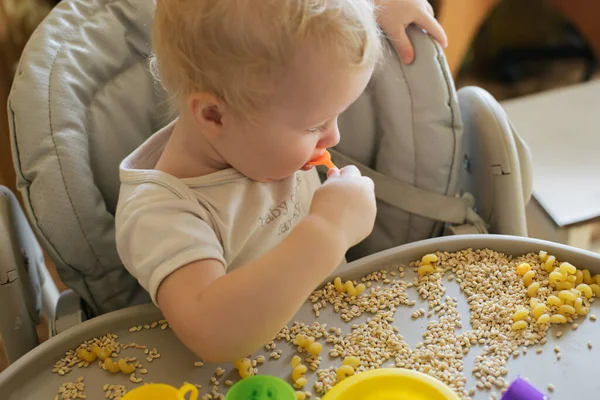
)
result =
(325, 160)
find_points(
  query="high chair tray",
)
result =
(572, 376)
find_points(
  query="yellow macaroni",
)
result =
(567, 268)
(549, 264)
(352, 361)
(557, 276)
(566, 295)
(425, 269)
(339, 286)
(300, 383)
(579, 308)
(343, 372)
(543, 319)
(298, 372)
(429, 259)
(538, 311)
(564, 286)
(566, 310)
(587, 277)
(578, 277)
(533, 289)
(558, 319)
(315, 349)
(533, 302)
(585, 289)
(596, 289)
(554, 301)
(543, 255)
(519, 325)
(125, 367)
(523, 268)
(296, 360)
(528, 277)
(110, 366)
(520, 314)
(300, 395)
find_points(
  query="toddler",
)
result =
(220, 217)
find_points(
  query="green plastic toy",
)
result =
(261, 387)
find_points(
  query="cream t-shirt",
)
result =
(164, 223)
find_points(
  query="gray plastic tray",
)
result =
(574, 375)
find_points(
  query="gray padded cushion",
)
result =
(406, 125)
(83, 99)
(81, 102)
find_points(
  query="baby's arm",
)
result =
(221, 317)
(224, 317)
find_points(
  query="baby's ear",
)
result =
(207, 111)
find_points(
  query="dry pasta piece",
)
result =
(538, 311)
(429, 259)
(533, 302)
(528, 278)
(296, 360)
(523, 268)
(543, 255)
(554, 301)
(349, 286)
(595, 288)
(298, 372)
(587, 277)
(566, 310)
(110, 366)
(343, 372)
(578, 277)
(351, 360)
(585, 289)
(549, 264)
(519, 325)
(102, 353)
(533, 289)
(557, 276)
(520, 314)
(579, 308)
(86, 355)
(567, 268)
(339, 286)
(567, 295)
(425, 269)
(300, 395)
(543, 319)
(315, 349)
(564, 286)
(571, 279)
(300, 383)
(125, 367)
(558, 319)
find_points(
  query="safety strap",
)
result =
(439, 207)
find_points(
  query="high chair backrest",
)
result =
(83, 99)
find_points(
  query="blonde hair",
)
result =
(235, 49)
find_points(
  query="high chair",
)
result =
(443, 162)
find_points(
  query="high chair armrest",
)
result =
(20, 312)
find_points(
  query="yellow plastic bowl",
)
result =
(159, 391)
(391, 384)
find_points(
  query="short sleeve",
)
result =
(158, 231)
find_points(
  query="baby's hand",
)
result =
(395, 16)
(347, 202)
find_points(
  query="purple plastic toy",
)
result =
(520, 389)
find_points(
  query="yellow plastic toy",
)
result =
(391, 384)
(160, 391)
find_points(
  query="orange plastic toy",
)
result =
(325, 160)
